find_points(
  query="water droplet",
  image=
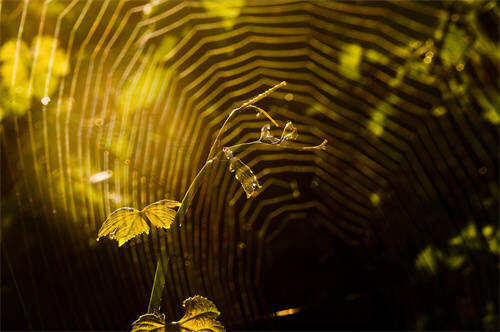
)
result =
(45, 100)
(147, 9)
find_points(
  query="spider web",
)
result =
(119, 104)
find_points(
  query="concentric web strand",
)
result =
(106, 104)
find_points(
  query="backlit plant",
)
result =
(126, 223)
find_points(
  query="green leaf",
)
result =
(454, 46)
(227, 10)
(350, 59)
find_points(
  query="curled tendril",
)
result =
(265, 135)
(289, 133)
(321, 146)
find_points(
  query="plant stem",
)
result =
(158, 286)
(159, 281)
(252, 101)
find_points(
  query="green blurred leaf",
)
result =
(227, 10)
(350, 58)
(454, 46)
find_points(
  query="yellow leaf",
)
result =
(123, 225)
(201, 314)
(160, 213)
(126, 223)
(149, 322)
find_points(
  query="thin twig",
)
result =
(216, 142)
(265, 113)
(321, 146)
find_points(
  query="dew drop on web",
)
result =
(45, 100)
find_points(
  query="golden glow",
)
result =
(287, 312)
(101, 176)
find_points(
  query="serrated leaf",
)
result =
(123, 225)
(201, 315)
(160, 213)
(126, 223)
(149, 322)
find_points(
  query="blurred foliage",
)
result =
(454, 46)
(455, 256)
(228, 10)
(350, 58)
(34, 73)
(490, 318)
(149, 80)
